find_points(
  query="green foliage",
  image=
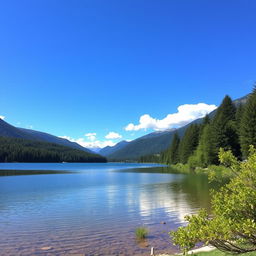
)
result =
(189, 143)
(239, 116)
(141, 232)
(223, 130)
(219, 253)
(219, 173)
(232, 225)
(21, 150)
(248, 124)
(150, 159)
(171, 155)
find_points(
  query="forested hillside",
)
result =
(21, 150)
(233, 127)
(7, 130)
(149, 146)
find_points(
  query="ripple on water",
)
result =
(95, 212)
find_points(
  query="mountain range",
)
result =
(152, 143)
(7, 130)
(110, 150)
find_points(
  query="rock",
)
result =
(46, 248)
(163, 222)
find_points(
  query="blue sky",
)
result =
(80, 67)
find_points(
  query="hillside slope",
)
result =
(7, 130)
(111, 150)
(23, 150)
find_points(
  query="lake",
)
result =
(93, 209)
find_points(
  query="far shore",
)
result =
(13, 172)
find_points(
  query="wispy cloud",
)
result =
(91, 136)
(91, 143)
(185, 114)
(113, 135)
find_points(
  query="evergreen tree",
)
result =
(248, 124)
(173, 151)
(206, 121)
(204, 154)
(223, 131)
(239, 115)
(207, 151)
(189, 143)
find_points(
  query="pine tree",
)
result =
(248, 124)
(223, 130)
(189, 143)
(207, 151)
(206, 121)
(173, 152)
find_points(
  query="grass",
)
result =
(215, 172)
(219, 253)
(141, 232)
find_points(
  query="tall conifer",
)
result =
(173, 152)
(223, 130)
(189, 143)
(248, 124)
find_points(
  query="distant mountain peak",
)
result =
(112, 149)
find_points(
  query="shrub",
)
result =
(232, 225)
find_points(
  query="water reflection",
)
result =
(182, 195)
(95, 210)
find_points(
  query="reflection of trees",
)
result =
(182, 194)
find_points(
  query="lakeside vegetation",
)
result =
(141, 233)
(231, 227)
(30, 172)
(219, 253)
(21, 150)
(221, 146)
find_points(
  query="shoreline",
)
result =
(206, 248)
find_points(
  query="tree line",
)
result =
(21, 150)
(233, 127)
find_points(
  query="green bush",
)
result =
(232, 225)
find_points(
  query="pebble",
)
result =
(46, 248)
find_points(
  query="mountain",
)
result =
(95, 150)
(46, 137)
(149, 144)
(110, 150)
(156, 142)
(7, 130)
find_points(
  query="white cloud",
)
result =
(2, 117)
(186, 114)
(113, 135)
(90, 144)
(91, 136)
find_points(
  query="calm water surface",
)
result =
(94, 209)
